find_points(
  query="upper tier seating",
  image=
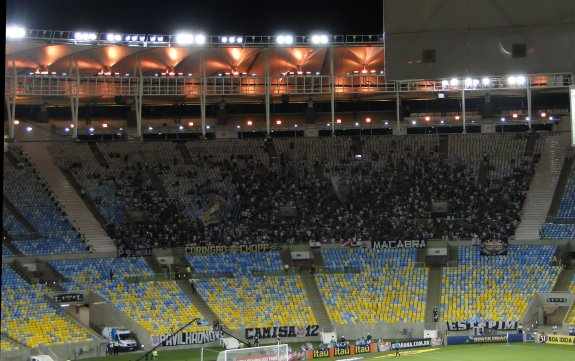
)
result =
(33, 199)
(230, 193)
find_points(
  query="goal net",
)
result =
(262, 353)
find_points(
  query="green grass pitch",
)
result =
(480, 352)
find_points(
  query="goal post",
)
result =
(262, 353)
(207, 354)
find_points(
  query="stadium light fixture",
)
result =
(485, 81)
(15, 32)
(511, 80)
(184, 38)
(113, 38)
(468, 82)
(28, 129)
(200, 39)
(82, 36)
(521, 80)
(319, 39)
(284, 39)
(454, 82)
(445, 83)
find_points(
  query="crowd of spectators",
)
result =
(290, 201)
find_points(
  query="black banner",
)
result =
(556, 300)
(423, 342)
(244, 248)
(494, 247)
(69, 297)
(134, 252)
(413, 243)
(282, 331)
(492, 325)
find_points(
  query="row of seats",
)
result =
(557, 231)
(389, 287)
(30, 319)
(567, 207)
(147, 303)
(248, 300)
(12, 225)
(496, 288)
(571, 315)
(32, 198)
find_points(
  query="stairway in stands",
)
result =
(316, 302)
(186, 156)
(79, 215)
(433, 295)
(542, 189)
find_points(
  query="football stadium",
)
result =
(285, 197)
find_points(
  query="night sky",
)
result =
(213, 17)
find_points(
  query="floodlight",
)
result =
(15, 32)
(521, 80)
(468, 82)
(445, 83)
(454, 82)
(511, 80)
(224, 39)
(200, 39)
(232, 39)
(485, 81)
(284, 39)
(319, 39)
(85, 36)
(239, 40)
(184, 38)
(111, 37)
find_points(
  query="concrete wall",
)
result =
(477, 37)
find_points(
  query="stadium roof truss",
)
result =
(62, 68)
